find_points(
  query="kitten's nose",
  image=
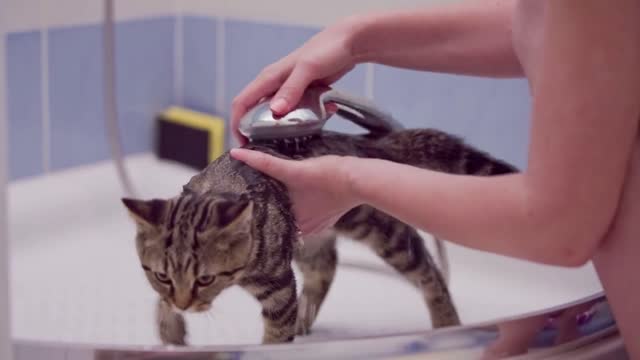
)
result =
(183, 302)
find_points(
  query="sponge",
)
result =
(189, 137)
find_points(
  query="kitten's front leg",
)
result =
(171, 325)
(277, 295)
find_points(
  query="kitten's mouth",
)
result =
(177, 310)
(202, 307)
(195, 308)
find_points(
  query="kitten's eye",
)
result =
(162, 277)
(205, 280)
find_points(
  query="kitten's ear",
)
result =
(146, 212)
(234, 214)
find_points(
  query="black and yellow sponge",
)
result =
(189, 137)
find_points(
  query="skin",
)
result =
(577, 199)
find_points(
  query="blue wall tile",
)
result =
(145, 78)
(353, 82)
(249, 47)
(199, 63)
(76, 96)
(24, 81)
(491, 114)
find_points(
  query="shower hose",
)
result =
(110, 100)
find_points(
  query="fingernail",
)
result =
(331, 107)
(279, 105)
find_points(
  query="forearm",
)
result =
(584, 124)
(497, 214)
(472, 38)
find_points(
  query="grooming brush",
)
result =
(310, 116)
(308, 119)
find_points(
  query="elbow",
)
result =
(566, 250)
(569, 238)
(572, 257)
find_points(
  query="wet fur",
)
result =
(235, 223)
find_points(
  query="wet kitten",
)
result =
(232, 225)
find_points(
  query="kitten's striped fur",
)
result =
(234, 226)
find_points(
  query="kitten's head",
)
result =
(193, 246)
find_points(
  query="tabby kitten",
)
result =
(233, 225)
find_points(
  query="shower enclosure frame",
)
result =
(5, 321)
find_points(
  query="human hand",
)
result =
(323, 59)
(320, 188)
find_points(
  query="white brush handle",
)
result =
(362, 111)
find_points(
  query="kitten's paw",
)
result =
(275, 333)
(270, 339)
(171, 326)
(445, 319)
(173, 332)
(306, 316)
(302, 328)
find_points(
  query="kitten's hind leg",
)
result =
(171, 325)
(402, 247)
(318, 266)
(443, 260)
(276, 292)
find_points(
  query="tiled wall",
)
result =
(55, 97)
(24, 79)
(191, 55)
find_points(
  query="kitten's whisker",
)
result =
(211, 315)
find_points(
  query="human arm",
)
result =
(585, 119)
(469, 38)
(585, 116)
(472, 38)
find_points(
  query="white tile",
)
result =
(72, 12)
(316, 13)
(31, 14)
(135, 9)
(21, 15)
